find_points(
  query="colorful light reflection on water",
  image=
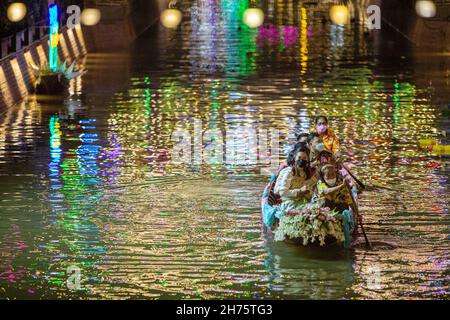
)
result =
(89, 182)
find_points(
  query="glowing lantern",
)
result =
(339, 14)
(90, 16)
(16, 11)
(171, 18)
(425, 8)
(253, 17)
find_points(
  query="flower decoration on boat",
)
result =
(312, 223)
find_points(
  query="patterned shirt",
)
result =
(330, 141)
(341, 196)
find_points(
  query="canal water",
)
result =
(145, 182)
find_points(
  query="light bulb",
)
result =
(253, 17)
(90, 16)
(16, 11)
(339, 14)
(171, 18)
(425, 8)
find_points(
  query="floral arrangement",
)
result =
(310, 223)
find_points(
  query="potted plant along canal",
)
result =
(54, 82)
(53, 78)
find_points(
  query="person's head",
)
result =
(292, 156)
(321, 124)
(302, 137)
(313, 139)
(328, 175)
(298, 159)
(315, 143)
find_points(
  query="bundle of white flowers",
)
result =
(310, 224)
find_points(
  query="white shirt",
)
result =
(289, 186)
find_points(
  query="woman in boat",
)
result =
(331, 145)
(314, 142)
(302, 137)
(332, 192)
(299, 137)
(319, 154)
(281, 184)
(296, 183)
(329, 139)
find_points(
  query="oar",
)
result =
(353, 176)
(374, 185)
(359, 217)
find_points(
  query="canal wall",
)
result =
(122, 22)
(16, 75)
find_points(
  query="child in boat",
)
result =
(331, 189)
(333, 193)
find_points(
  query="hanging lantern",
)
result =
(253, 17)
(90, 16)
(171, 18)
(339, 14)
(16, 11)
(425, 8)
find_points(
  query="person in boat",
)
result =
(319, 154)
(329, 139)
(321, 157)
(302, 137)
(299, 137)
(314, 142)
(297, 182)
(332, 192)
(331, 145)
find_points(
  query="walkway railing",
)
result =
(30, 34)
(23, 39)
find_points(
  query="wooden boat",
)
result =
(269, 203)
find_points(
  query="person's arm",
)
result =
(295, 193)
(336, 149)
(283, 186)
(330, 190)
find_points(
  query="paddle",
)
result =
(359, 217)
(353, 176)
(359, 182)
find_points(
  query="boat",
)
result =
(269, 205)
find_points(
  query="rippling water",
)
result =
(90, 183)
